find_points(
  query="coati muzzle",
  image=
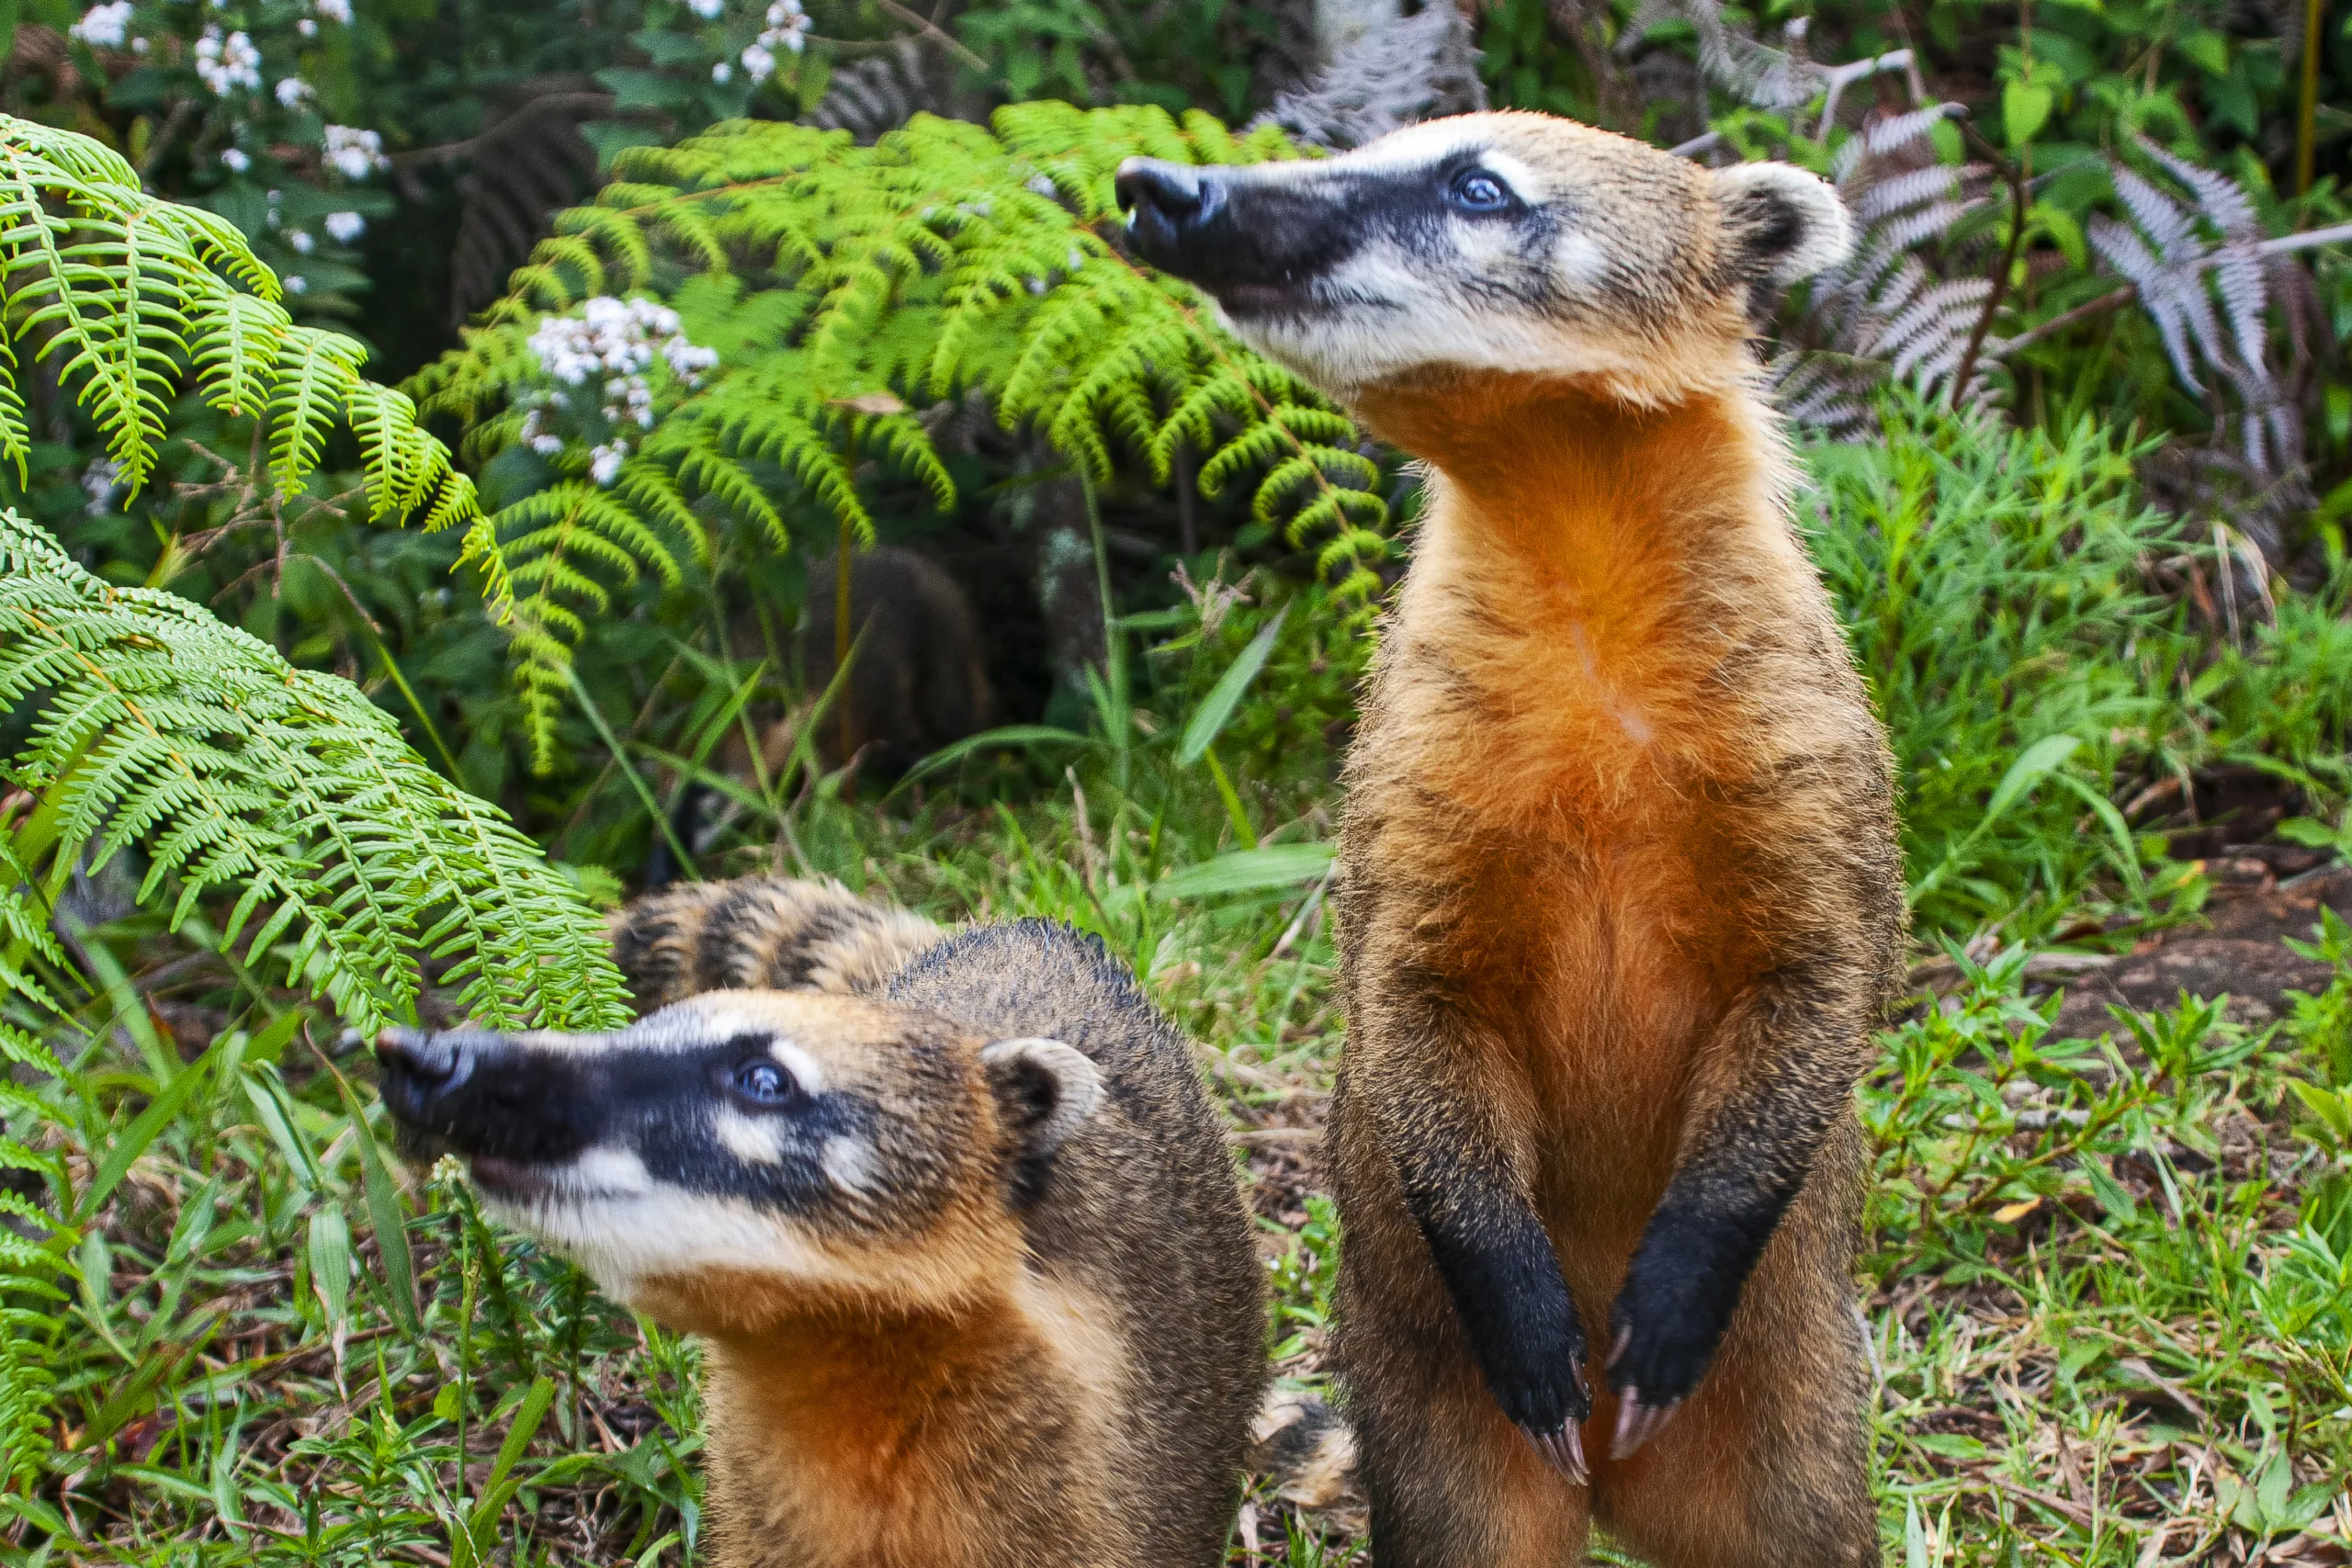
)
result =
(479, 1095)
(1256, 240)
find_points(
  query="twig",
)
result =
(576, 104)
(2285, 244)
(931, 29)
(1834, 78)
(168, 132)
(2000, 282)
(2058, 323)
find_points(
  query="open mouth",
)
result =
(512, 1179)
(1262, 298)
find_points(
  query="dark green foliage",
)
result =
(844, 287)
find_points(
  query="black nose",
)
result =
(1170, 190)
(1166, 206)
(422, 1071)
(430, 1061)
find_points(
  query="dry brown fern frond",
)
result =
(1733, 59)
(871, 96)
(1419, 68)
(527, 163)
(1911, 302)
(2204, 269)
(40, 53)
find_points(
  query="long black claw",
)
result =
(1563, 1451)
(1638, 1422)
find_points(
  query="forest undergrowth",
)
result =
(2108, 1280)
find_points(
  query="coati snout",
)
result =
(794, 1136)
(1490, 241)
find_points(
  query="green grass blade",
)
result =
(1209, 719)
(1248, 871)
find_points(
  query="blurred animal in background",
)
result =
(918, 674)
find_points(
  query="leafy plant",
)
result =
(844, 287)
(286, 791)
(121, 290)
(1988, 577)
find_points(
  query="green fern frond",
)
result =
(316, 370)
(243, 776)
(947, 259)
(127, 294)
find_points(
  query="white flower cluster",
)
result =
(337, 11)
(612, 342)
(355, 153)
(228, 65)
(292, 91)
(788, 27)
(345, 227)
(103, 26)
(706, 9)
(101, 481)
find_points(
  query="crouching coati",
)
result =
(1619, 891)
(967, 1249)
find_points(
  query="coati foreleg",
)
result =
(1737, 1300)
(1460, 1345)
(1776, 1075)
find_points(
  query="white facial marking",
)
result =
(799, 1063)
(1579, 258)
(1522, 179)
(664, 1231)
(605, 1171)
(848, 1162)
(1419, 146)
(755, 1140)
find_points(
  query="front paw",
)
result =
(1540, 1387)
(1664, 1343)
(1545, 1397)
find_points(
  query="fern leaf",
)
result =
(241, 775)
(945, 260)
(315, 372)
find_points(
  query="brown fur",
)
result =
(760, 934)
(1619, 888)
(1616, 784)
(977, 1280)
(918, 676)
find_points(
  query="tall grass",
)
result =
(2109, 1285)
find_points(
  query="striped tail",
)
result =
(761, 932)
(1306, 1449)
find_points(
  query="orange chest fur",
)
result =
(1562, 706)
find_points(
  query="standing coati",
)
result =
(967, 1249)
(1619, 895)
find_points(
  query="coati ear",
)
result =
(1044, 1090)
(1785, 224)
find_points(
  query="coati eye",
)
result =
(1475, 190)
(763, 1083)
